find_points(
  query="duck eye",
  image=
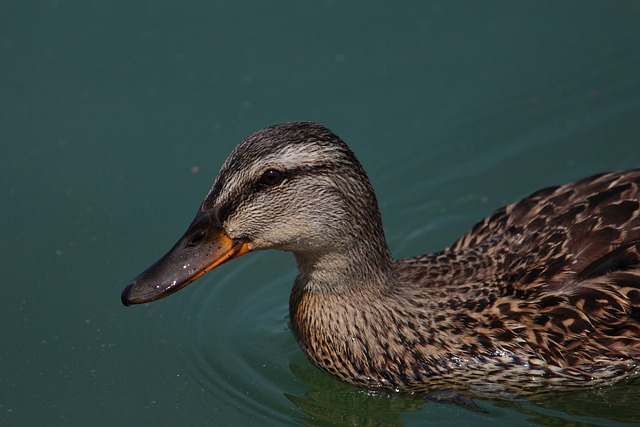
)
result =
(271, 177)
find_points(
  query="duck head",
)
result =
(295, 187)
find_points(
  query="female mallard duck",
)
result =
(543, 295)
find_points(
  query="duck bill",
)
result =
(203, 247)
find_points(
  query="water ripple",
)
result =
(238, 345)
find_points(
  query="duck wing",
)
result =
(565, 262)
(566, 234)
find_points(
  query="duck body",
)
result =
(542, 296)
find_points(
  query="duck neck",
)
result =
(329, 302)
(361, 267)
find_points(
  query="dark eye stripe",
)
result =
(272, 177)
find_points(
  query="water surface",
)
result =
(116, 117)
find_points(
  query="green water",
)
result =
(115, 117)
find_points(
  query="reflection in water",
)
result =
(329, 402)
(616, 403)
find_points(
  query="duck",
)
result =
(540, 297)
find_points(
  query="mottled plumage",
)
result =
(542, 296)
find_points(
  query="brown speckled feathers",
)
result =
(542, 296)
(553, 280)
